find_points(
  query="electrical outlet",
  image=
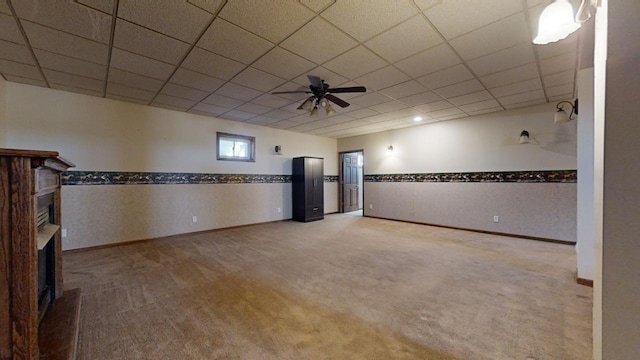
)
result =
(195, 219)
(64, 233)
(496, 218)
(279, 210)
(370, 206)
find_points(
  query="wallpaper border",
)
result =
(535, 176)
(146, 178)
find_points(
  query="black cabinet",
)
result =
(308, 185)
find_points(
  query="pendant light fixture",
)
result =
(556, 23)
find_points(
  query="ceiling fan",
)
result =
(322, 95)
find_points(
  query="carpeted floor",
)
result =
(346, 287)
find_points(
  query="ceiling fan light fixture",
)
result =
(330, 110)
(417, 118)
(308, 105)
(324, 102)
(314, 111)
(556, 23)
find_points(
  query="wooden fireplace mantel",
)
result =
(27, 177)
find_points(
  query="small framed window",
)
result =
(236, 147)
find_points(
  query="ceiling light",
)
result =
(556, 23)
(314, 112)
(324, 102)
(524, 137)
(308, 105)
(417, 119)
(329, 110)
(561, 117)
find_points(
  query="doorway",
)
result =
(351, 181)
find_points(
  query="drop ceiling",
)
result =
(438, 59)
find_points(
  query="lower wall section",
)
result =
(98, 215)
(545, 210)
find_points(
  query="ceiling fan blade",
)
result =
(315, 81)
(348, 89)
(304, 102)
(337, 100)
(291, 92)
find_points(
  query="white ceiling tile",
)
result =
(440, 114)
(404, 90)
(49, 60)
(523, 97)
(328, 42)
(209, 109)
(453, 117)
(502, 60)
(559, 90)
(486, 111)
(169, 107)
(121, 77)
(282, 124)
(19, 69)
(355, 63)
(405, 113)
(138, 64)
(377, 118)
(67, 16)
(184, 92)
(570, 44)
(196, 80)
(60, 78)
(4, 8)
(329, 77)
(76, 90)
(141, 41)
(401, 41)
(478, 106)
(434, 106)
(178, 19)
(283, 63)
(365, 21)
(257, 79)
(532, 3)
(238, 115)
(369, 99)
(524, 72)
(458, 89)
(420, 99)
(558, 63)
(568, 96)
(470, 98)
(491, 38)
(223, 38)
(238, 92)
(102, 5)
(126, 99)
(525, 104)
(254, 108)
(130, 92)
(183, 104)
(62, 43)
(517, 88)
(15, 52)
(9, 30)
(212, 6)
(362, 113)
(429, 61)
(271, 101)
(280, 114)
(383, 78)
(206, 62)
(262, 120)
(457, 17)
(274, 21)
(449, 76)
(23, 80)
(316, 5)
(427, 4)
(388, 106)
(222, 101)
(560, 78)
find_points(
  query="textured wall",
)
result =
(546, 210)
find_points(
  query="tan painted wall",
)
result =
(107, 135)
(539, 210)
(3, 119)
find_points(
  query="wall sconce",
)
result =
(278, 149)
(389, 149)
(524, 137)
(561, 117)
(556, 23)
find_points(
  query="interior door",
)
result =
(350, 182)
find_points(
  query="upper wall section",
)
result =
(480, 143)
(108, 135)
(3, 119)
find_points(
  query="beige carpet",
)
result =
(346, 287)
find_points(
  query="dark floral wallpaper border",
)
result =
(136, 178)
(543, 176)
